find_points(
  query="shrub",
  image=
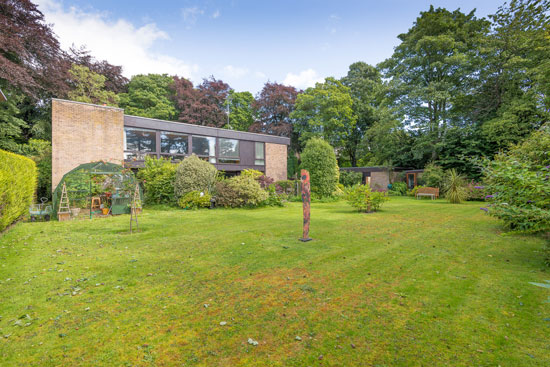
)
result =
(398, 189)
(319, 159)
(455, 190)
(519, 185)
(274, 198)
(255, 174)
(433, 176)
(239, 191)
(158, 180)
(285, 186)
(265, 181)
(413, 191)
(194, 174)
(475, 191)
(18, 176)
(195, 200)
(350, 178)
(40, 151)
(362, 198)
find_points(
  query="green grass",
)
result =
(421, 283)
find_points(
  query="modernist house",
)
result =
(379, 177)
(83, 133)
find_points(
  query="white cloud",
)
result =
(190, 15)
(216, 14)
(305, 79)
(119, 41)
(234, 72)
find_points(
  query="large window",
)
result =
(259, 156)
(205, 147)
(229, 151)
(173, 143)
(139, 141)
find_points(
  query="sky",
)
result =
(244, 43)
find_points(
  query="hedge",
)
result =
(18, 178)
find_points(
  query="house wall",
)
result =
(83, 133)
(275, 161)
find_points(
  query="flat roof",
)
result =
(371, 169)
(181, 127)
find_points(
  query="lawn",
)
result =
(421, 283)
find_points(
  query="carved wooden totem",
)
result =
(306, 201)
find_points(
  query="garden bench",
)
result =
(432, 192)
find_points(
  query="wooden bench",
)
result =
(432, 192)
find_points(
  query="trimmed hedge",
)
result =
(194, 174)
(319, 159)
(18, 177)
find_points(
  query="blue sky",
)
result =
(244, 43)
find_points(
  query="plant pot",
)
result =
(63, 216)
(105, 211)
(75, 212)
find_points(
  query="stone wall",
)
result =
(275, 161)
(83, 133)
(379, 180)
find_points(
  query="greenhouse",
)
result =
(95, 189)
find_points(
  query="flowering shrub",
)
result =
(476, 191)
(239, 191)
(519, 185)
(365, 200)
(195, 200)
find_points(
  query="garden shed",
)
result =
(100, 187)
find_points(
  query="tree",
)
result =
(274, 104)
(11, 126)
(203, 105)
(149, 96)
(326, 111)
(366, 90)
(89, 87)
(241, 113)
(432, 69)
(319, 159)
(30, 57)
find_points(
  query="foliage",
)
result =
(274, 198)
(413, 191)
(194, 174)
(519, 185)
(17, 186)
(454, 186)
(40, 151)
(398, 189)
(325, 111)
(11, 123)
(89, 87)
(158, 177)
(350, 178)
(239, 191)
(476, 191)
(273, 106)
(255, 174)
(195, 200)
(286, 186)
(319, 159)
(241, 113)
(265, 181)
(292, 165)
(434, 176)
(364, 199)
(204, 105)
(149, 96)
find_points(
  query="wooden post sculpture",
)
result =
(306, 201)
(64, 211)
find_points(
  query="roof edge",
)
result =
(88, 104)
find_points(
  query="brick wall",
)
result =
(83, 133)
(379, 180)
(275, 161)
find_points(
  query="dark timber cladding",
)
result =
(180, 127)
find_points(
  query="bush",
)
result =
(413, 191)
(319, 159)
(455, 190)
(18, 176)
(398, 189)
(286, 186)
(433, 176)
(195, 200)
(40, 151)
(265, 181)
(255, 174)
(362, 198)
(239, 191)
(194, 174)
(274, 198)
(475, 191)
(350, 178)
(158, 180)
(519, 185)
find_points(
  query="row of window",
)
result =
(139, 142)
